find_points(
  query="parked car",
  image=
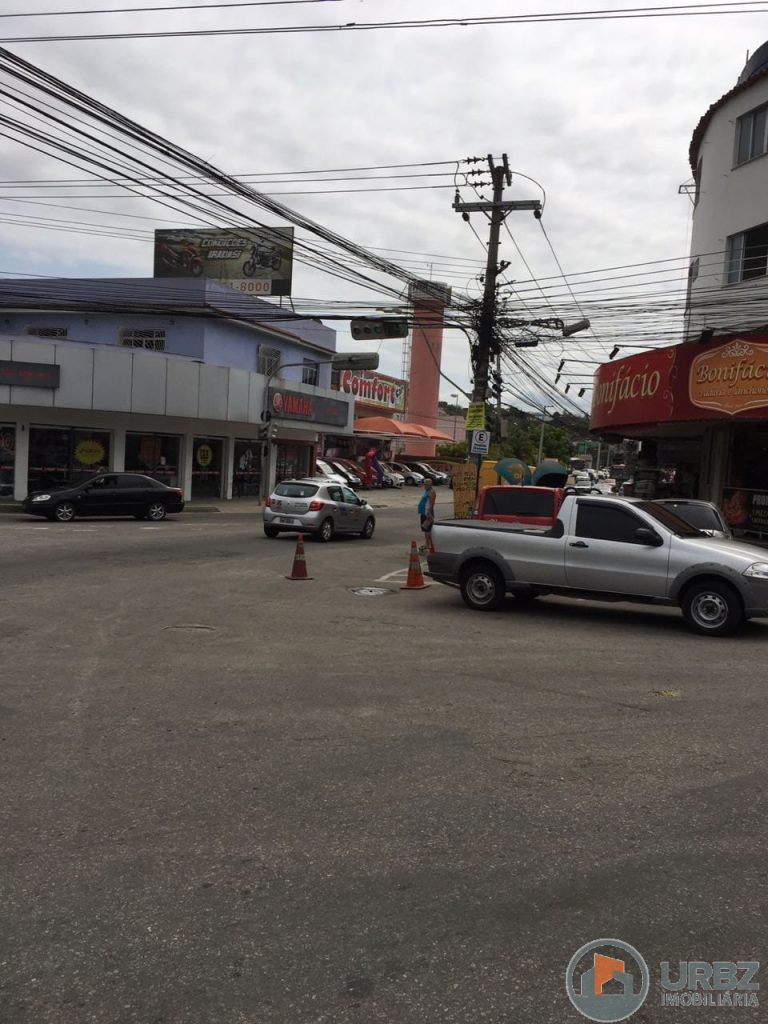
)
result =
(325, 471)
(582, 484)
(351, 477)
(435, 475)
(529, 506)
(317, 508)
(352, 467)
(109, 494)
(411, 476)
(614, 549)
(391, 476)
(703, 515)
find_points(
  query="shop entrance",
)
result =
(246, 481)
(155, 455)
(292, 461)
(207, 462)
(58, 456)
(7, 459)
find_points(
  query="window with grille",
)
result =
(309, 372)
(747, 254)
(47, 332)
(751, 134)
(154, 340)
(269, 360)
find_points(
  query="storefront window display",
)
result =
(7, 458)
(207, 463)
(292, 461)
(745, 496)
(246, 481)
(155, 455)
(65, 455)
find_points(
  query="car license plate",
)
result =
(286, 519)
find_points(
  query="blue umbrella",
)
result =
(513, 471)
(551, 474)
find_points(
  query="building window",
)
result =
(140, 338)
(47, 332)
(751, 135)
(747, 254)
(309, 372)
(269, 360)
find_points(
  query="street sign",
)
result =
(475, 417)
(481, 442)
(364, 328)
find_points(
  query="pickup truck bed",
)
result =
(607, 548)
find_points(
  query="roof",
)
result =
(701, 127)
(170, 296)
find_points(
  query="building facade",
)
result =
(189, 383)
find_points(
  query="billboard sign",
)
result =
(29, 375)
(730, 378)
(253, 261)
(375, 389)
(285, 404)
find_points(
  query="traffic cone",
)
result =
(299, 570)
(415, 579)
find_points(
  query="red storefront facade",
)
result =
(700, 409)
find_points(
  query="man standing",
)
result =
(427, 515)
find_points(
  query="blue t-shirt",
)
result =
(424, 503)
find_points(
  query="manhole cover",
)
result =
(370, 591)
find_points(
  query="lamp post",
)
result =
(541, 434)
(454, 415)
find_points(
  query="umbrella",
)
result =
(513, 471)
(551, 474)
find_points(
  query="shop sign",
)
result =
(730, 378)
(745, 509)
(295, 405)
(6, 440)
(29, 375)
(204, 455)
(374, 389)
(89, 452)
(637, 389)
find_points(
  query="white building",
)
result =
(729, 243)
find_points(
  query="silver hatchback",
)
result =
(322, 509)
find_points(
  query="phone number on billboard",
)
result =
(253, 287)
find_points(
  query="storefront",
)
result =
(246, 478)
(7, 457)
(155, 455)
(700, 410)
(207, 464)
(59, 455)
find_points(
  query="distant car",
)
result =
(582, 484)
(702, 515)
(353, 468)
(391, 476)
(411, 476)
(317, 508)
(351, 477)
(327, 472)
(109, 494)
(437, 477)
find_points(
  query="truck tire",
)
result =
(482, 587)
(712, 608)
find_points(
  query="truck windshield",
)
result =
(668, 518)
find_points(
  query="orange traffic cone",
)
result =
(299, 570)
(415, 579)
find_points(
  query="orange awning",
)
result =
(384, 426)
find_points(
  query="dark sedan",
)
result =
(109, 494)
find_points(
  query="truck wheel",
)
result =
(482, 587)
(712, 608)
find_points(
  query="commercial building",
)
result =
(700, 408)
(186, 381)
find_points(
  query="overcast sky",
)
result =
(600, 113)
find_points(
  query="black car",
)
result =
(109, 494)
(437, 477)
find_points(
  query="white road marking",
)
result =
(397, 574)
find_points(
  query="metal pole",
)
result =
(541, 438)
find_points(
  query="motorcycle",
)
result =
(184, 257)
(262, 256)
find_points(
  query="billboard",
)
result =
(253, 261)
(374, 389)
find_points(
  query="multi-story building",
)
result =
(184, 380)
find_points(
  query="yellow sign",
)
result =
(88, 453)
(475, 418)
(204, 455)
(730, 378)
(464, 480)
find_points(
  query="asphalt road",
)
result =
(231, 798)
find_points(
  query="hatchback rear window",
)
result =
(296, 490)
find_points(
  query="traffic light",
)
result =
(377, 328)
(495, 384)
(267, 431)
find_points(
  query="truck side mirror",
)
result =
(644, 535)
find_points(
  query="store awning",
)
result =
(383, 426)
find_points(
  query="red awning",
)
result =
(383, 426)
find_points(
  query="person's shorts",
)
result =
(426, 523)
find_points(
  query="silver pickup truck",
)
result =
(619, 549)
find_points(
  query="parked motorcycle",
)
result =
(184, 257)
